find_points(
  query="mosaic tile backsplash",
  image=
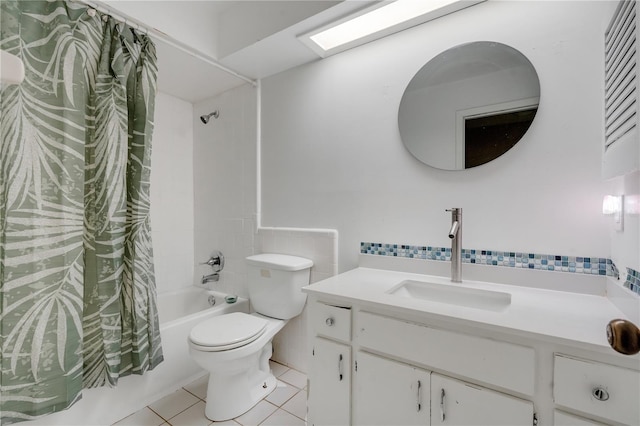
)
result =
(547, 262)
(633, 281)
(511, 259)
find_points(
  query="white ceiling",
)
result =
(253, 38)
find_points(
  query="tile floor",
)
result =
(285, 406)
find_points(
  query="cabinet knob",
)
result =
(600, 394)
(330, 321)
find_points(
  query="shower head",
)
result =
(205, 118)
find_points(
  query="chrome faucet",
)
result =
(215, 277)
(456, 244)
(216, 261)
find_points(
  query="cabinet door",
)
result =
(389, 393)
(458, 403)
(329, 383)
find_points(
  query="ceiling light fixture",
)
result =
(377, 22)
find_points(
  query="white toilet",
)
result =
(235, 348)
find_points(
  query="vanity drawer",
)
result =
(599, 389)
(565, 419)
(331, 321)
(494, 362)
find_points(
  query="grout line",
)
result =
(187, 390)
(290, 411)
(157, 414)
(177, 414)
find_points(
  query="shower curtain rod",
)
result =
(138, 25)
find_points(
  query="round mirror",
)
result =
(468, 105)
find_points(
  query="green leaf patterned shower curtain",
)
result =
(77, 290)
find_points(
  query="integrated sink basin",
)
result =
(453, 294)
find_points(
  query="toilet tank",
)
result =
(275, 284)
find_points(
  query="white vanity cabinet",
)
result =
(329, 391)
(560, 418)
(412, 362)
(454, 402)
(602, 390)
(386, 392)
(330, 383)
(395, 385)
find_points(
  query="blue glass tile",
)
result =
(558, 263)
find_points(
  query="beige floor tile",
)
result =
(144, 417)
(225, 423)
(295, 378)
(192, 416)
(297, 405)
(257, 414)
(278, 369)
(282, 393)
(199, 387)
(282, 418)
(173, 404)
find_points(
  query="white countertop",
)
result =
(562, 317)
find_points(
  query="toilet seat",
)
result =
(227, 331)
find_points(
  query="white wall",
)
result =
(625, 244)
(332, 156)
(172, 193)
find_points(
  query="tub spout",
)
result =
(215, 277)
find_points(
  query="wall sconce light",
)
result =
(614, 205)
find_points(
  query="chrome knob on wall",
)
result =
(623, 336)
(216, 261)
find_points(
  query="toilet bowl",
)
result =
(241, 373)
(235, 348)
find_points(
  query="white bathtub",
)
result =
(179, 311)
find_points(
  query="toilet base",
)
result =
(228, 400)
(231, 395)
(239, 378)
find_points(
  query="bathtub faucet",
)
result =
(215, 277)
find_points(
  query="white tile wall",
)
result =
(224, 168)
(225, 187)
(172, 224)
(321, 246)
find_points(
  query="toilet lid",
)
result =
(228, 331)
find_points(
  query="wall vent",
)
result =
(621, 75)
